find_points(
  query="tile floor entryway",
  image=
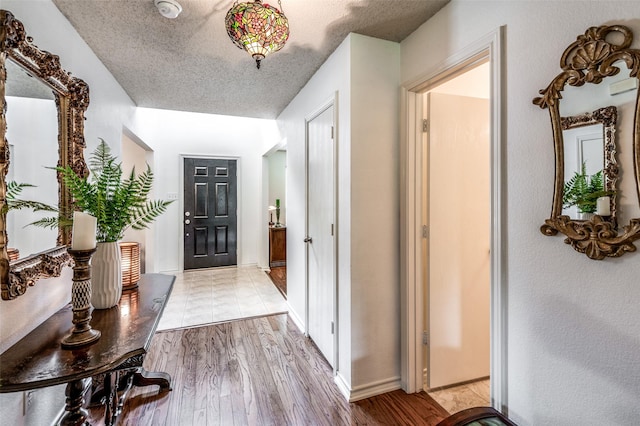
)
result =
(458, 398)
(206, 296)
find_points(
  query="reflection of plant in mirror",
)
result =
(583, 191)
(14, 189)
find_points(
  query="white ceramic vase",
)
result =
(586, 216)
(106, 277)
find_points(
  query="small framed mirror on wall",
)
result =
(590, 165)
(596, 116)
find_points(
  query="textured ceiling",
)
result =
(189, 63)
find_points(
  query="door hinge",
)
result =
(425, 125)
(332, 132)
(425, 338)
(332, 229)
(425, 231)
(332, 327)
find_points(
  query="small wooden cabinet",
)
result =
(277, 246)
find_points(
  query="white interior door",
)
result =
(458, 269)
(320, 226)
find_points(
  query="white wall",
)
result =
(365, 74)
(171, 134)
(375, 209)
(331, 77)
(573, 323)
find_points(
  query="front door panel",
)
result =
(210, 219)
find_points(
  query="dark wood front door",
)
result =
(210, 217)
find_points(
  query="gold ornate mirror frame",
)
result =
(72, 100)
(588, 60)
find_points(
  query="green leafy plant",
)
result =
(583, 191)
(117, 203)
(13, 202)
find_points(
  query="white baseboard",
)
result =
(296, 319)
(343, 386)
(368, 390)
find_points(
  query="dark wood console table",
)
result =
(39, 361)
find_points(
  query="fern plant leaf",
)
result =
(14, 189)
(117, 202)
(149, 212)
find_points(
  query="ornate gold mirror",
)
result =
(25, 71)
(599, 81)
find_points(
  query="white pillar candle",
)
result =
(83, 234)
(603, 207)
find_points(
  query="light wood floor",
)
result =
(259, 371)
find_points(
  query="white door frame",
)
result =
(412, 309)
(331, 102)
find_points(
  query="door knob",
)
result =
(187, 214)
(187, 221)
(308, 240)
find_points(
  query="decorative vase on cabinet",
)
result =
(106, 276)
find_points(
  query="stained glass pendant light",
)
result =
(257, 28)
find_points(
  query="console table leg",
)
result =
(75, 413)
(125, 383)
(111, 398)
(147, 378)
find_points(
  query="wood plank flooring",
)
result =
(259, 371)
(278, 275)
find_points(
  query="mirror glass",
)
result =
(590, 166)
(33, 149)
(586, 143)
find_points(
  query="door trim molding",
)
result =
(331, 102)
(491, 47)
(263, 250)
(181, 158)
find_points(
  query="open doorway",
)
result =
(277, 173)
(136, 154)
(415, 230)
(456, 250)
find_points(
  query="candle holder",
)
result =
(81, 333)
